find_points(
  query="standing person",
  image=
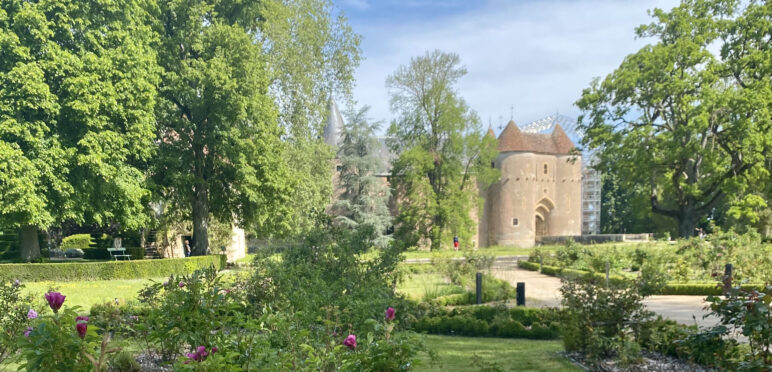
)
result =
(455, 242)
(187, 248)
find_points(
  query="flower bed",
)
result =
(108, 270)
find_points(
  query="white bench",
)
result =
(118, 252)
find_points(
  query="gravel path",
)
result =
(543, 290)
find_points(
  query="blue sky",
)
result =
(534, 55)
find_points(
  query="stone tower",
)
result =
(539, 192)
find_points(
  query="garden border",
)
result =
(671, 288)
(137, 269)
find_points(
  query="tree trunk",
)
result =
(29, 246)
(687, 222)
(200, 219)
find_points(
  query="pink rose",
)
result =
(55, 300)
(27, 332)
(182, 284)
(32, 314)
(351, 342)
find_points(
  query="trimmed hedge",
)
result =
(81, 241)
(673, 288)
(108, 270)
(702, 289)
(483, 321)
(494, 289)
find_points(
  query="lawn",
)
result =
(417, 285)
(458, 354)
(87, 293)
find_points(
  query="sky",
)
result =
(525, 59)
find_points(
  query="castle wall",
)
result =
(533, 184)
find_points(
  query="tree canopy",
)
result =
(220, 148)
(362, 195)
(691, 125)
(442, 151)
(77, 93)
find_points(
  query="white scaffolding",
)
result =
(591, 183)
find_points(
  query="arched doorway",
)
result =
(542, 212)
(540, 227)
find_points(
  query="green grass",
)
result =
(87, 293)
(458, 353)
(417, 286)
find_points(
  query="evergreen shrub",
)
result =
(136, 269)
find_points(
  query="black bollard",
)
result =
(728, 270)
(520, 294)
(479, 288)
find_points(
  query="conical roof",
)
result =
(514, 140)
(334, 128)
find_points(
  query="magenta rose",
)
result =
(32, 314)
(82, 317)
(55, 300)
(182, 284)
(351, 342)
(81, 328)
(390, 314)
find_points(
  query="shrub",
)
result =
(108, 270)
(486, 321)
(77, 241)
(125, 362)
(14, 308)
(599, 320)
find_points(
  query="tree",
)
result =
(363, 195)
(311, 58)
(220, 148)
(443, 152)
(691, 126)
(77, 92)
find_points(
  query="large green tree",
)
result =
(220, 148)
(691, 125)
(311, 57)
(442, 151)
(77, 92)
(363, 194)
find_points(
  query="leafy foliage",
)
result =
(364, 196)
(220, 149)
(689, 125)
(77, 125)
(443, 153)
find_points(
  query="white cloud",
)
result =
(537, 56)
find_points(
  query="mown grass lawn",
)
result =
(458, 354)
(89, 292)
(417, 285)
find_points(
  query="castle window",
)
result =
(515, 222)
(545, 168)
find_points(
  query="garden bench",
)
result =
(118, 252)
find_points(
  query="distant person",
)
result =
(187, 248)
(455, 242)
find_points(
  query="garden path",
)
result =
(543, 290)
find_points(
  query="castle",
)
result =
(539, 193)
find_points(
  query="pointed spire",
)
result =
(563, 144)
(334, 128)
(490, 131)
(510, 138)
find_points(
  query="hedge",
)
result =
(672, 288)
(702, 289)
(108, 270)
(494, 289)
(483, 321)
(80, 241)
